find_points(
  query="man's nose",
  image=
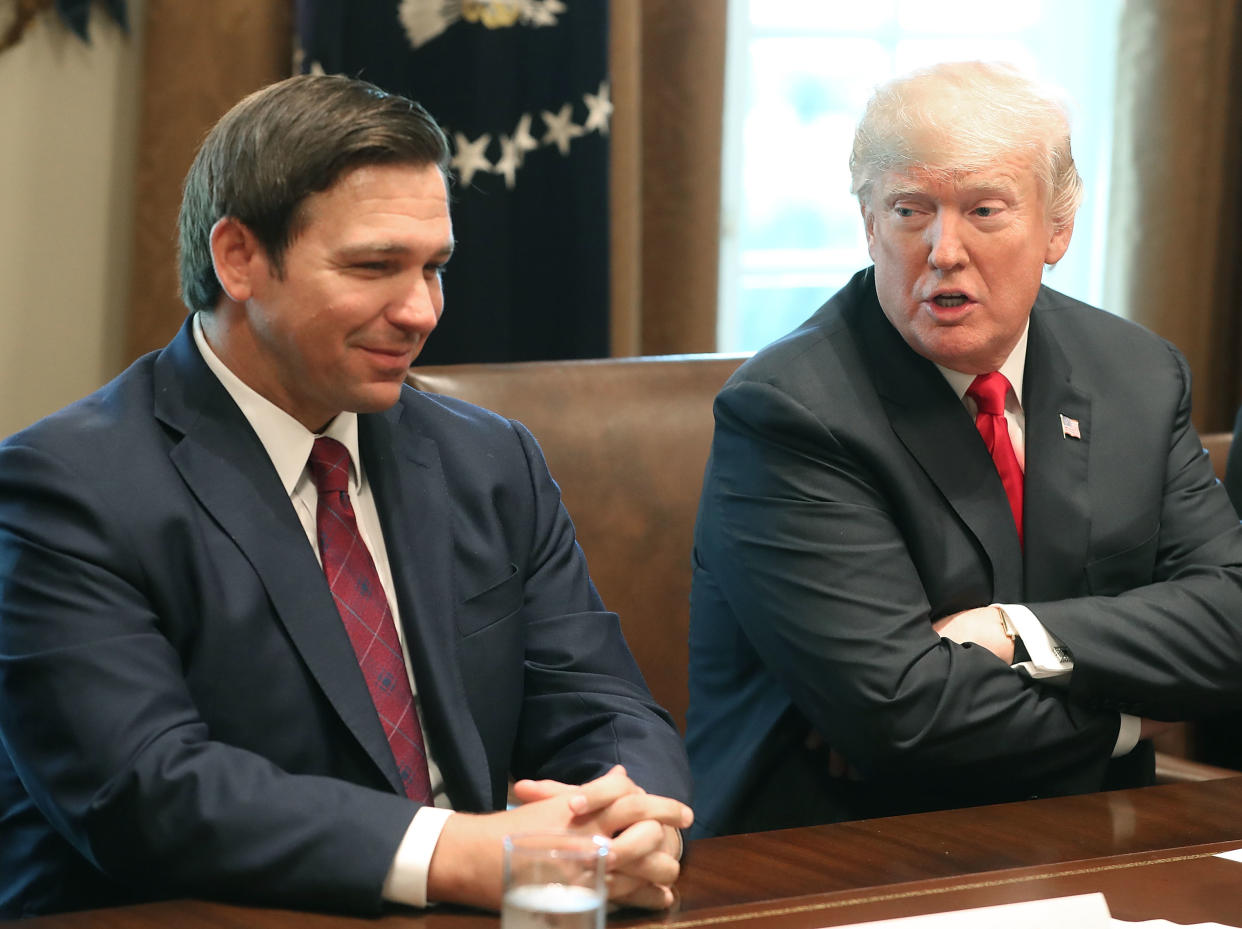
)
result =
(419, 308)
(945, 247)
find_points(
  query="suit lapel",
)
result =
(227, 469)
(935, 427)
(413, 501)
(1057, 512)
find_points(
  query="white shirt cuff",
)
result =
(407, 878)
(1049, 658)
(1127, 735)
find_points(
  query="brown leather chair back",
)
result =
(626, 439)
(1217, 445)
(1177, 747)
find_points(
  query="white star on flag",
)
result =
(510, 160)
(561, 128)
(599, 109)
(470, 157)
(542, 14)
(522, 138)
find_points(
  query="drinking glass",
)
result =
(554, 880)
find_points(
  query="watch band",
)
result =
(1010, 630)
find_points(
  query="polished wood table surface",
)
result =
(1150, 851)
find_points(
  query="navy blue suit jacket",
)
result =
(180, 709)
(849, 502)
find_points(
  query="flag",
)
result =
(521, 89)
(76, 14)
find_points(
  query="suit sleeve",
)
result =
(796, 533)
(99, 725)
(586, 706)
(1161, 635)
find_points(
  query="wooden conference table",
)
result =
(1150, 851)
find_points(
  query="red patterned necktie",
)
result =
(989, 392)
(364, 610)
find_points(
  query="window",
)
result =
(799, 74)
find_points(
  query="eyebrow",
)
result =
(367, 249)
(991, 188)
(899, 191)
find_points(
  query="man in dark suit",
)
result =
(189, 704)
(920, 586)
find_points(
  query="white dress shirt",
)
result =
(288, 445)
(1050, 660)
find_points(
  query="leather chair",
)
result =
(627, 440)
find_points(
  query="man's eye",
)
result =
(903, 211)
(985, 211)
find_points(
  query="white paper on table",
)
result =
(1085, 911)
(1232, 855)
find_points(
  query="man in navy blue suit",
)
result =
(183, 707)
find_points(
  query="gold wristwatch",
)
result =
(1010, 630)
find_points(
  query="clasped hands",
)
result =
(643, 860)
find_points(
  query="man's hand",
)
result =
(1149, 728)
(642, 862)
(982, 626)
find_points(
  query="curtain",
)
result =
(1174, 242)
(199, 59)
(667, 62)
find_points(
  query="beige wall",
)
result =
(68, 125)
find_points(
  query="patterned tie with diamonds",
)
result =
(989, 392)
(364, 610)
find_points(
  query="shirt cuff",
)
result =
(407, 878)
(1127, 735)
(1049, 658)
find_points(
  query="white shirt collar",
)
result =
(287, 441)
(1014, 369)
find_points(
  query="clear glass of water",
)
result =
(554, 880)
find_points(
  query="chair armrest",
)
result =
(1173, 770)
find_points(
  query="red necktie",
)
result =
(364, 610)
(989, 392)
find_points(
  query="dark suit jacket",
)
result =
(849, 502)
(180, 708)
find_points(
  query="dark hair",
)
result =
(278, 146)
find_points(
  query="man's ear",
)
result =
(1058, 243)
(237, 257)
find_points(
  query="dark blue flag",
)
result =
(521, 88)
(76, 14)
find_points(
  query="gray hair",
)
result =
(961, 117)
(280, 145)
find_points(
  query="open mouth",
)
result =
(948, 300)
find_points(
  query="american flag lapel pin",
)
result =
(1069, 428)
